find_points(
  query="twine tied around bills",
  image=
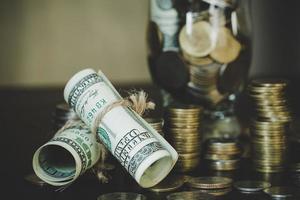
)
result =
(137, 101)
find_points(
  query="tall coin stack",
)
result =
(61, 115)
(182, 131)
(223, 154)
(157, 124)
(270, 126)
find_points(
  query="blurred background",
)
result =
(44, 42)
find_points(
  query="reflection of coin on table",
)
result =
(35, 180)
(227, 47)
(197, 39)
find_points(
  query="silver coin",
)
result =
(251, 186)
(279, 192)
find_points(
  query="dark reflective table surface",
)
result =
(25, 124)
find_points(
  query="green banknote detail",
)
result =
(104, 137)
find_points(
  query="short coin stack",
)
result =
(269, 127)
(223, 154)
(204, 81)
(157, 124)
(213, 185)
(61, 115)
(182, 131)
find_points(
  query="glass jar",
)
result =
(196, 53)
(221, 122)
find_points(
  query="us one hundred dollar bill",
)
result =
(67, 155)
(143, 152)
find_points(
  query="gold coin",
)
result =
(185, 126)
(181, 113)
(210, 156)
(224, 164)
(197, 41)
(210, 70)
(224, 152)
(269, 169)
(188, 161)
(185, 140)
(190, 155)
(171, 121)
(264, 90)
(184, 146)
(270, 82)
(213, 182)
(183, 151)
(169, 184)
(152, 120)
(215, 192)
(196, 60)
(194, 130)
(227, 47)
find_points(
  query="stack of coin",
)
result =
(61, 115)
(157, 124)
(270, 98)
(182, 131)
(214, 185)
(204, 82)
(269, 127)
(223, 154)
(190, 195)
(207, 46)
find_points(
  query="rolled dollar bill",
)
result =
(67, 155)
(143, 152)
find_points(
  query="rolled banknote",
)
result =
(67, 155)
(143, 152)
